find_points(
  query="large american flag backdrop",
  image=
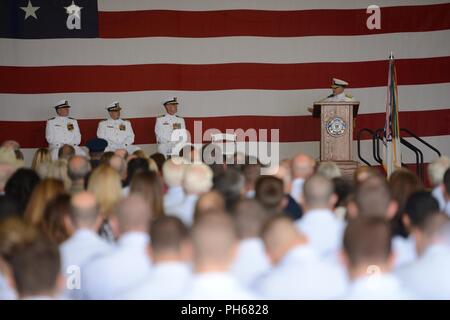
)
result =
(233, 64)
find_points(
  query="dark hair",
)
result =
(20, 186)
(135, 166)
(446, 181)
(8, 208)
(229, 184)
(419, 206)
(168, 233)
(106, 156)
(269, 192)
(66, 151)
(367, 240)
(159, 160)
(343, 188)
(36, 265)
(53, 219)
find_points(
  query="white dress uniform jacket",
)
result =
(377, 287)
(168, 280)
(60, 131)
(324, 231)
(302, 275)
(81, 248)
(216, 286)
(341, 97)
(429, 276)
(118, 133)
(404, 250)
(109, 276)
(297, 189)
(164, 127)
(251, 261)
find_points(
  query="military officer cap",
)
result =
(62, 104)
(97, 145)
(172, 101)
(339, 83)
(115, 106)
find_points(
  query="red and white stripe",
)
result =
(248, 64)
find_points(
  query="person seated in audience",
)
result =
(106, 157)
(214, 244)
(172, 173)
(429, 276)
(343, 188)
(96, 147)
(319, 223)
(107, 277)
(6, 171)
(369, 260)
(149, 185)
(42, 155)
(269, 193)
(84, 244)
(197, 180)
(53, 221)
(120, 165)
(302, 167)
(36, 269)
(362, 173)
(231, 185)
(298, 271)
(105, 184)
(159, 158)
(20, 186)
(65, 152)
(329, 169)
(171, 253)
(251, 260)
(208, 202)
(123, 153)
(78, 169)
(436, 170)
(251, 171)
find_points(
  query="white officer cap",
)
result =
(171, 101)
(115, 106)
(339, 83)
(62, 104)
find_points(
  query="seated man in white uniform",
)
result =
(166, 125)
(116, 131)
(62, 130)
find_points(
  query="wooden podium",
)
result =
(336, 135)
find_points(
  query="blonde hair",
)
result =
(140, 154)
(58, 170)
(42, 155)
(437, 168)
(105, 184)
(44, 192)
(173, 171)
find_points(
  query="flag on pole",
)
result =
(392, 159)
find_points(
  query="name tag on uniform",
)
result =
(165, 123)
(122, 127)
(110, 127)
(176, 126)
(70, 126)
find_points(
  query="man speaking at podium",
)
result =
(338, 86)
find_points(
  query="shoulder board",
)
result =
(71, 118)
(348, 95)
(177, 116)
(161, 115)
(331, 95)
(51, 118)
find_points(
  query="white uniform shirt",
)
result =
(324, 231)
(439, 196)
(6, 292)
(216, 286)
(404, 250)
(109, 276)
(377, 287)
(302, 275)
(81, 248)
(185, 210)
(118, 133)
(339, 98)
(429, 276)
(251, 261)
(168, 280)
(60, 131)
(173, 198)
(164, 127)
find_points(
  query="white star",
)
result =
(74, 10)
(30, 11)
